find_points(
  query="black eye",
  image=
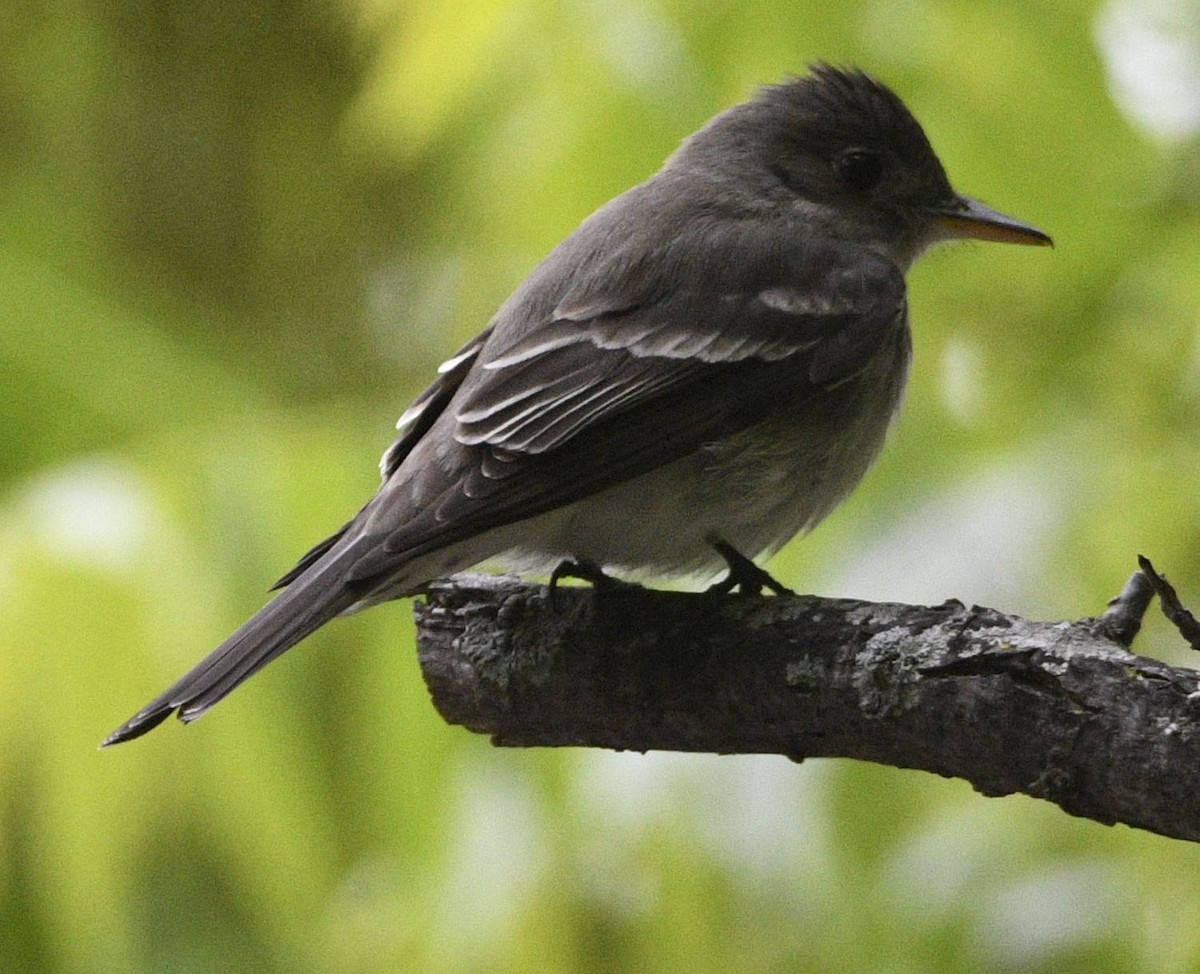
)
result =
(859, 169)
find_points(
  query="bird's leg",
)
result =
(744, 575)
(588, 571)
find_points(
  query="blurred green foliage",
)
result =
(236, 238)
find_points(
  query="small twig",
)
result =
(1172, 608)
(1123, 619)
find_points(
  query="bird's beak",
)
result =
(967, 218)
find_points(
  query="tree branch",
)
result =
(1060, 711)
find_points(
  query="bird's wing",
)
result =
(612, 385)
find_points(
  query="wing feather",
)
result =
(554, 381)
(415, 422)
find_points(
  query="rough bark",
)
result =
(1056, 710)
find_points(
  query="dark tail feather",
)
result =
(299, 610)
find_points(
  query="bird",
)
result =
(703, 369)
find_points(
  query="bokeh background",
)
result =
(237, 237)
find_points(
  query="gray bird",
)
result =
(707, 366)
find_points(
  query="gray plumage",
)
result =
(713, 356)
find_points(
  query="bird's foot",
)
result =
(744, 575)
(588, 571)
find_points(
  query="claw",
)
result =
(744, 575)
(588, 571)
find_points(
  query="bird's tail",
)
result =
(311, 600)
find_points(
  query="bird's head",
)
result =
(841, 154)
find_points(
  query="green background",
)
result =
(235, 240)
